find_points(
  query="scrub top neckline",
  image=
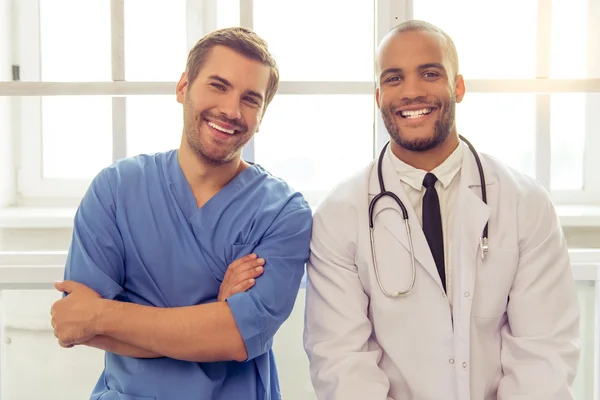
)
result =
(181, 188)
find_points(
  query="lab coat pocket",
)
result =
(115, 395)
(493, 279)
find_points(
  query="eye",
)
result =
(251, 100)
(218, 86)
(431, 75)
(393, 79)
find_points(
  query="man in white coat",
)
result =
(502, 326)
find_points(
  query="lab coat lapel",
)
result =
(394, 222)
(471, 215)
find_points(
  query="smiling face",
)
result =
(223, 106)
(418, 89)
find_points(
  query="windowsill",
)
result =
(579, 216)
(37, 217)
(62, 217)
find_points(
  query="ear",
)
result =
(460, 88)
(377, 97)
(181, 88)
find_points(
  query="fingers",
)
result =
(248, 265)
(241, 275)
(242, 287)
(248, 274)
(245, 280)
(242, 260)
(243, 264)
(66, 286)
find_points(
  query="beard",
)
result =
(442, 128)
(205, 149)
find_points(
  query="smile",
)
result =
(411, 114)
(220, 128)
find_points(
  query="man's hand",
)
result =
(74, 317)
(240, 275)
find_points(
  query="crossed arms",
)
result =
(239, 326)
(85, 318)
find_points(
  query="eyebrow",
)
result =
(420, 67)
(228, 84)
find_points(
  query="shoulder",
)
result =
(535, 210)
(348, 196)
(137, 167)
(126, 176)
(132, 174)
(338, 216)
(276, 196)
(514, 182)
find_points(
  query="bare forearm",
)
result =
(204, 333)
(116, 346)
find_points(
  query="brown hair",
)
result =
(243, 41)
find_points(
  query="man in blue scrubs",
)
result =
(162, 270)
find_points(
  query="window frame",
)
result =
(201, 17)
(32, 188)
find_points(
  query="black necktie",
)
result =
(432, 224)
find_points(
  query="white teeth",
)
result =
(220, 128)
(416, 113)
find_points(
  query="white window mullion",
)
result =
(119, 104)
(120, 88)
(28, 110)
(592, 138)
(247, 14)
(543, 59)
(195, 17)
(540, 85)
(34, 189)
(592, 160)
(247, 21)
(543, 149)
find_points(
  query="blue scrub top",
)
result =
(139, 237)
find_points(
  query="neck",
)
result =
(426, 160)
(204, 177)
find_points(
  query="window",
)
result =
(113, 84)
(521, 105)
(532, 86)
(325, 102)
(340, 125)
(305, 54)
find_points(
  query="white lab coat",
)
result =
(513, 332)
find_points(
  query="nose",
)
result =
(230, 107)
(413, 87)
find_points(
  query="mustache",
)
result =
(237, 124)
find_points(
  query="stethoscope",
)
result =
(383, 193)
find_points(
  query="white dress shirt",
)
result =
(448, 174)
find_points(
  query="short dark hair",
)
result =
(241, 40)
(417, 25)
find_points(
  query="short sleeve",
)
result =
(96, 254)
(260, 311)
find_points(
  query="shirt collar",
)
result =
(445, 172)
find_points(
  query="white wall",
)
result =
(36, 367)
(60, 238)
(35, 239)
(7, 185)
